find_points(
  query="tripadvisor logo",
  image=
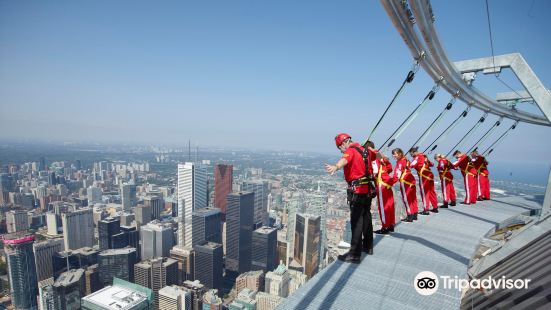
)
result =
(427, 283)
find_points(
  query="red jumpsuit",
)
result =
(480, 164)
(402, 173)
(426, 181)
(446, 181)
(469, 178)
(385, 195)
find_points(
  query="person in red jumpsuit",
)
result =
(402, 174)
(481, 165)
(426, 180)
(385, 196)
(468, 171)
(446, 180)
(359, 199)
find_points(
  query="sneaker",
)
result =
(382, 231)
(434, 210)
(425, 213)
(445, 206)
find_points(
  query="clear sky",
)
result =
(270, 74)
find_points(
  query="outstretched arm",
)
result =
(339, 165)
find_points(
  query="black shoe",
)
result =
(479, 199)
(425, 213)
(408, 218)
(368, 251)
(453, 204)
(445, 206)
(464, 203)
(352, 259)
(434, 210)
(415, 217)
(391, 228)
(382, 231)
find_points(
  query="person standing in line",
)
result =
(446, 180)
(468, 171)
(426, 180)
(481, 165)
(402, 174)
(385, 195)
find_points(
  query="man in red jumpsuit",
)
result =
(355, 173)
(402, 174)
(426, 180)
(446, 180)
(385, 196)
(468, 171)
(481, 166)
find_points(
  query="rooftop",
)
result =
(115, 298)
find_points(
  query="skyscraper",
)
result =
(186, 262)
(317, 206)
(192, 194)
(239, 231)
(277, 281)
(261, 191)
(117, 263)
(43, 253)
(223, 180)
(209, 258)
(307, 242)
(107, 228)
(17, 221)
(157, 239)
(19, 254)
(155, 274)
(143, 215)
(68, 290)
(94, 195)
(207, 226)
(128, 196)
(197, 290)
(156, 204)
(174, 298)
(265, 249)
(78, 229)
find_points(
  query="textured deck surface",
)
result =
(442, 243)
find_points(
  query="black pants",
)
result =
(360, 220)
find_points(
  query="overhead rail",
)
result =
(447, 131)
(486, 135)
(490, 149)
(480, 121)
(434, 123)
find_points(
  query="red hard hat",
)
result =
(339, 139)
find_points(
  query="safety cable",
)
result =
(480, 121)
(434, 123)
(499, 139)
(450, 128)
(486, 135)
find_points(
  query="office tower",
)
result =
(245, 300)
(155, 274)
(17, 221)
(265, 248)
(192, 195)
(122, 295)
(19, 255)
(52, 179)
(223, 180)
(143, 215)
(207, 226)
(197, 290)
(78, 229)
(211, 301)
(209, 259)
(239, 231)
(68, 290)
(94, 194)
(277, 281)
(283, 248)
(174, 298)
(92, 279)
(261, 191)
(253, 280)
(116, 263)
(265, 301)
(156, 204)
(297, 280)
(106, 229)
(128, 236)
(317, 205)
(80, 258)
(43, 253)
(46, 297)
(185, 256)
(128, 196)
(307, 243)
(156, 239)
(42, 164)
(87, 256)
(127, 219)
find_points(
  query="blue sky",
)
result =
(278, 74)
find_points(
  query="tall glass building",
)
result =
(21, 271)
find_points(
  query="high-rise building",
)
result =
(128, 236)
(116, 263)
(156, 239)
(297, 280)
(143, 215)
(94, 195)
(277, 281)
(245, 300)
(317, 205)
(207, 226)
(68, 290)
(127, 219)
(307, 242)
(265, 248)
(174, 298)
(211, 300)
(186, 263)
(266, 301)
(91, 279)
(46, 300)
(122, 295)
(19, 255)
(156, 204)
(253, 280)
(261, 191)
(239, 231)
(197, 290)
(155, 274)
(17, 221)
(43, 253)
(223, 180)
(128, 196)
(192, 194)
(107, 228)
(209, 259)
(78, 229)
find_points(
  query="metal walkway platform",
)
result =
(442, 243)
